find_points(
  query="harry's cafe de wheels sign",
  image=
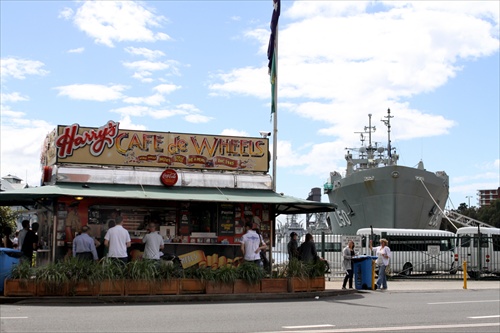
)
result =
(110, 145)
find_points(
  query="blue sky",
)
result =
(201, 67)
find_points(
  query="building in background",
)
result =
(486, 197)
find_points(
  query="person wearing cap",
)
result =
(84, 245)
(293, 246)
(383, 253)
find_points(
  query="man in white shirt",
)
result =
(251, 245)
(117, 240)
(154, 243)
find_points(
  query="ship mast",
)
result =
(387, 123)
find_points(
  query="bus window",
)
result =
(484, 241)
(496, 242)
(465, 241)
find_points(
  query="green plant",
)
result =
(250, 272)
(111, 269)
(195, 272)
(22, 271)
(142, 270)
(52, 276)
(224, 275)
(316, 268)
(82, 270)
(168, 271)
(296, 268)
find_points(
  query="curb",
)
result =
(173, 298)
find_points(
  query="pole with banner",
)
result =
(272, 55)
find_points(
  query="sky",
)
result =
(201, 67)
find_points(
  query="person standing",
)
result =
(154, 243)
(84, 246)
(30, 243)
(293, 246)
(6, 241)
(348, 253)
(308, 253)
(251, 245)
(73, 223)
(117, 240)
(22, 233)
(383, 253)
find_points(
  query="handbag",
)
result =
(388, 270)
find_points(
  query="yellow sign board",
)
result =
(109, 145)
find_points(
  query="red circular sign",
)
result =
(169, 177)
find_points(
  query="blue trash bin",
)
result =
(8, 258)
(363, 271)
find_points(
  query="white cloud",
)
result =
(13, 97)
(20, 68)
(166, 88)
(197, 118)
(145, 52)
(25, 137)
(108, 22)
(92, 92)
(153, 100)
(234, 132)
(77, 50)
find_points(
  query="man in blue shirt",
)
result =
(84, 246)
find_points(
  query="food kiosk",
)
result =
(199, 189)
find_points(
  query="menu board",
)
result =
(226, 221)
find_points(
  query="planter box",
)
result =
(296, 284)
(84, 288)
(112, 287)
(242, 287)
(192, 286)
(165, 287)
(45, 289)
(274, 285)
(138, 287)
(317, 283)
(19, 287)
(219, 288)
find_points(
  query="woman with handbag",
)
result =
(383, 253)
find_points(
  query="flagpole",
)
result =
(275, 118)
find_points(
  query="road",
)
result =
(370, 311)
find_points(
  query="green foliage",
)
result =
(168, 271)
(224, 275)
(111, 269)
(316, 268)
(296, 268)
(82, 270)
(250, 272)
(195, 272)
(52, 276)
(7, 219)
(487, 214)
(22, 271)
(143, 270)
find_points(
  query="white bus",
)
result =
(483, 258)
(414, 250)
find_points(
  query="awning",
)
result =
(283, 204)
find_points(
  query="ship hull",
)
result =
(388, 197)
